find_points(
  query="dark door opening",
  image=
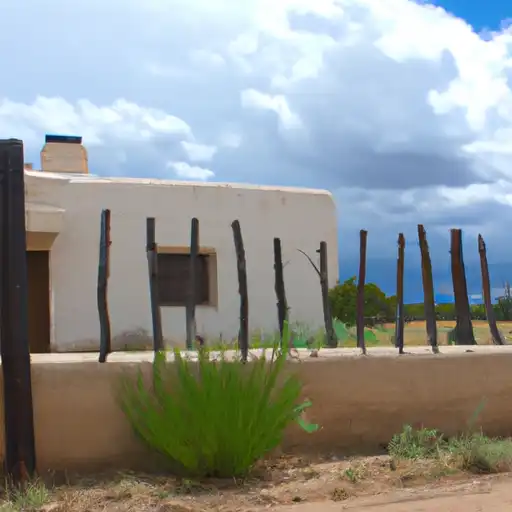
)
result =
(38, 277)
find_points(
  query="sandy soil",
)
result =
(479, 495)
(294, 484)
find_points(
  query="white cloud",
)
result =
(198, 152)
(123, 120)
(278, 104)
(191, 172)
(400, 108)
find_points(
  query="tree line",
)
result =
(381, 308)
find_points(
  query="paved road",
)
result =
(481, 496)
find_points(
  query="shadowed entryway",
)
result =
(38, 277)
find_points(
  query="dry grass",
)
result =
(415, 332)
(283, 481)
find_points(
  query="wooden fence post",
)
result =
(428, 290)
(363, 237)
(103, 275)
(332, 340)
(190, 310)
(243, 334)
(282, 305)
(463, 331)
(152, 255)
(20, 456)
(497, 338)
(399, 321)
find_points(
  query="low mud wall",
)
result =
(360, 402)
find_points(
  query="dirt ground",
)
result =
(484, 494)
(286, 484)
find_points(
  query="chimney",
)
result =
(64, 154)
(28, 166)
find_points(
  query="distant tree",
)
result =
(377, 306)
(445, 311)
(343, 299)
(478, 312)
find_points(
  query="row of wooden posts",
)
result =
(192, 336)
(463, 329)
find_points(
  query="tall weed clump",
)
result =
(214, 417)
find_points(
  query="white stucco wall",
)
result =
(301, 218)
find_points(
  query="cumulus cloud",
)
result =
(398, 107)
(198, 152)
(190, 172)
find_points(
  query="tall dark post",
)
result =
(428, 290)
(282, 305)
(103, 275)
(332, 340)
(20, 457)
(464, 334)
(243, 333)
(363, 237)
(190, 309)
(399, 322)
(497, 338)
(152, 254)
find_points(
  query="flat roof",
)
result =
(91, 178)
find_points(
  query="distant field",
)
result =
(415, 332)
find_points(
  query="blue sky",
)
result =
(400, 108)
(481, 15)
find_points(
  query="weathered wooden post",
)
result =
(428, 290)
(497, 338)
(464, 334)
(103, 275)
(363, 237)
(190, 310)
(282, 305)
(243, 333)
(20, 456)
(152, 255)
(399, 320)
(332, 340)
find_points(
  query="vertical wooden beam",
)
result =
(282, 305)
(332, 340)
(152, 255)
(497, 338)
(428, 290)
(363, 238)
(20, 456)
(243, 334)
(464, 334)
(399, 322)
(103, 275)
(190, 309)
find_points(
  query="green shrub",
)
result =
(414, 443)
(214, 417)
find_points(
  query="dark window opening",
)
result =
(173, 279)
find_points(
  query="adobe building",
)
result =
(63, 209)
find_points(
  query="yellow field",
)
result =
(415, 332)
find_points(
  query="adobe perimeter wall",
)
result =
(360, 402)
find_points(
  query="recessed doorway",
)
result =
(38, 278)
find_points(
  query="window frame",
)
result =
(210, 256)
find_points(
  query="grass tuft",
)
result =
(215, 417)
(473, 452)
